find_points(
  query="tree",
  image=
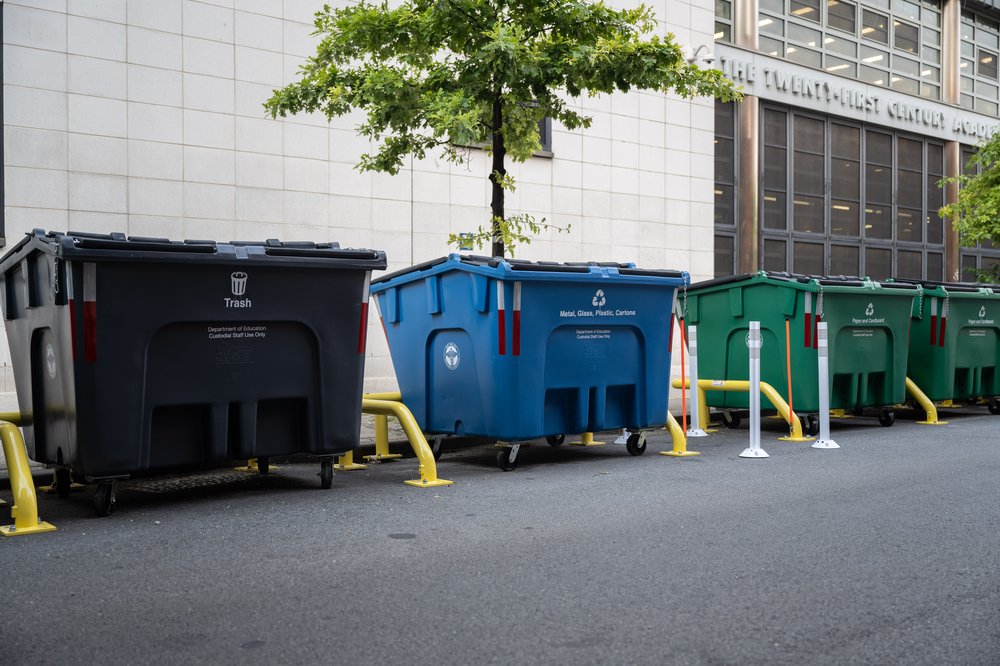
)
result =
(976, 212)
(450, 74)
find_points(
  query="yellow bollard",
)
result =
(586, 439)
(25, 508)
(925, 402)
(680, 439)
(767, 390)
(382, 441)
(390, 404)
(345, 463)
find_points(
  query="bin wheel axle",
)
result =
(993, 405)
(104, 498)
(326, 473)
(636, 443)
(555, 440)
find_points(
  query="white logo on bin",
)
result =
(870, 310)
(50, 360)
(982, 312)
(599, 299)
(239, 279)
(451, 356)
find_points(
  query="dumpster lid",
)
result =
(117, 246)
(958, 287)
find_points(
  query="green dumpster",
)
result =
(955, 342)
(867, 322)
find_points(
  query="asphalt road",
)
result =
(886, 551)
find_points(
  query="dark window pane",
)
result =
(841, 15)
(807, 214)
(808, 258)
(935, 266)
(935, 228)
(844, 260)
(776, 6)
(845, 179)
(723, 9)
(906, 37)
(874, 26)
(804, 56)
(968, 168)
(910, 153)
(809, 134)
(908, 227)
(878, 148)
(987, 64)
(904, 84)
(723, 32)
(845, 141)
(808, 174)
(725, 119)
(775, 168)
(878, 183)
(774, 255)
(774, 210)
(724, 205)
(935, 159)
(878, 263)
(775, 133)
(968, 267)
(911, 191)
(805, 9)
(725, 256)
(844, 218)
(877, 221)
(724, 164)
(770, 25)
(908, 265)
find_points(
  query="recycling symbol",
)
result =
(982, 312)
(599, 299)
(870, 310)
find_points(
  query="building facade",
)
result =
(854, 111)
(146, 117)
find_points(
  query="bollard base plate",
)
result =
(349, 467)
(378, 457)
(680, 454)
(754, 453)
(789, 438)
(697, 433)
(932, 423)
(11, 530)
(436, 483)
(825, 444)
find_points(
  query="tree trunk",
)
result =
(498, 172)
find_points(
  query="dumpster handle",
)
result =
(25, 508)
(390, 404)
(925, 402)
(765, 388)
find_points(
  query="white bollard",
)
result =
(754, 343)
(695, 429)
(823, 354)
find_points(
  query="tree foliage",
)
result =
(976, 213)
(443, 75)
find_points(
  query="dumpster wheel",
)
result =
(555, 440)
(326, 473)
(731, 419)
(636, 443)
(63, 481)
(507, 458)
(993, 405)
(810, 423)
(104, 498)
(886, 418)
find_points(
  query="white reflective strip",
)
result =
(933, 307)
(809, 302)
(673, 306)
(378, 308)
(90, 283)
(517, 297)
(368, 284)
(500, 304)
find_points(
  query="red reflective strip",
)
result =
(809, 328)
(502, 331)
(72, 325)
(944, 320)
(90, 331)
(815, 344)
(363, 330)
(933, 329)
(516, 346)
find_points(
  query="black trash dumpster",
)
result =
(141, 355)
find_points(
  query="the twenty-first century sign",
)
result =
(782, 81)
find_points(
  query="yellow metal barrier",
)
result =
(389, 404)
(680, 439)
(25, 508)
(345, 463)
(382, 441)
(766, 390)
(586, 439)
(924, 402)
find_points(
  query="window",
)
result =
(724, 20)
(975, 257)
(725, 190)
(978, 66)
(875, 26)
(841, 14)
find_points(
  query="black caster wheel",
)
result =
(63, 481)
(812, 424)
(993, 405)
(263, 466)
(506, 459)
(636, 443)
(886, 418)
(858, 411)
(555, 440)
(731, 419)
(104, 498)
(325, 474)
(437, 447)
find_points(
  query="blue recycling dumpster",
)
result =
(516, 350)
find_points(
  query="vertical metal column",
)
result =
(951, 58)
(823, 354)
(695, 430)
(745, 35)
(952, 245)
(754, 344)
